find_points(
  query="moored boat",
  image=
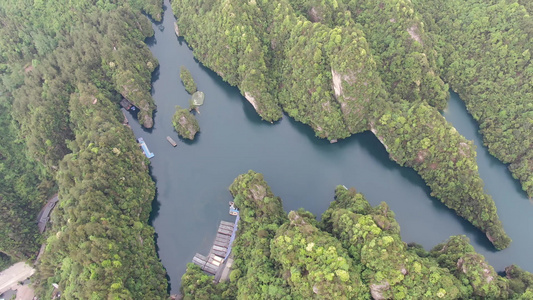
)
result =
(171, 141)
(232, 210)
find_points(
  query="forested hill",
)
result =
(344, 67)
(65, 66)
(486, 47)
(354, 252)
(22, 194)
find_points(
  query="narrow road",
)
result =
(12, 275)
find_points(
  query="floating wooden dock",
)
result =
(171, 141)
(220, 250)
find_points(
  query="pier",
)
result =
(145, 148)
(218, 256)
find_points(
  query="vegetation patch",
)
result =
(354, 252)
(187, 80)
(185, 123)
(344, 67)
(485, 50)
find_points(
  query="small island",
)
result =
(187, 80)
(196, 100)
(185, 123)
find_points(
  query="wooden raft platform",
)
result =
(171, 141)
(214, 260)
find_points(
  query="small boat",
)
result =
(232, 210)
(171, 141)
(145, 148)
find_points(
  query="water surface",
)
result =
(193, 178)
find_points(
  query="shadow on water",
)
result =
(189, 142)
(494, 162)
(156, 205)
(230, 92)
(516, 184)
(181, 41)
(135, 116)
(149, 130)
(150, 41)
(154, 213)
(252, 116)
(480, 239)
(133, 113)
(369, 142)
(194, 57)
(153, 21)
(480, 147)
(167, 277)
(155, 76)
(306, 131)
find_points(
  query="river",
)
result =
(193, 178)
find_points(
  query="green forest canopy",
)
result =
(342, 67)
(185, 123)
(354, 252)
(65, 66)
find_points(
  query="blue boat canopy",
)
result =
(145, 148)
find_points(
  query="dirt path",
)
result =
(11, 276)
(24, 292)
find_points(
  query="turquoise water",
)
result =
(193, 178)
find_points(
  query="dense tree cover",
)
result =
(334, 91)
(445, 160)
(406, 59)
(185, 123)
(314, 263)
(522, 281)
(187, 80)
(355, 252)
(65, 65)
(238, 53)
(288, 61)
(102, 246)
(324, 73)
(261, 214)
(486, 49)
(5, 261)
(195, 284)
(30, 32)
(470, 267)
(528, 5)
(372, 237)
(22, 193)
